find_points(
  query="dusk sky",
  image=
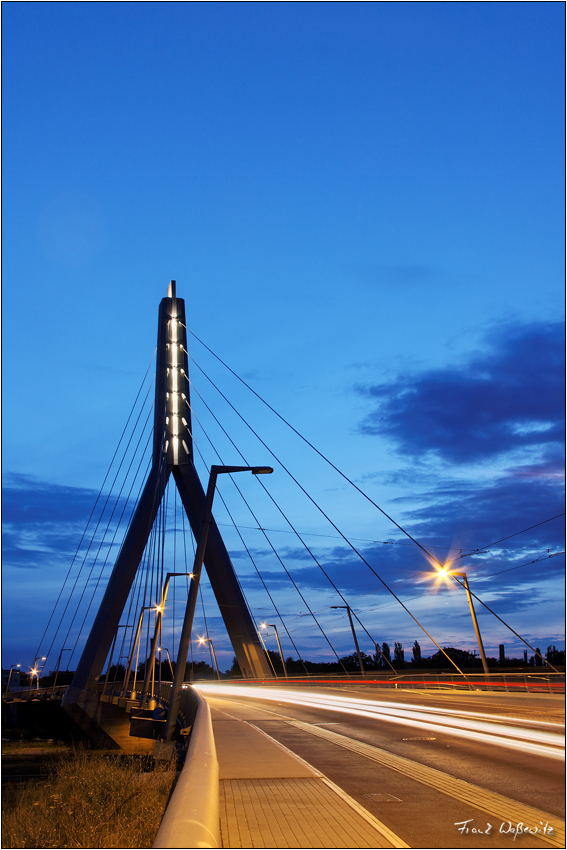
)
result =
(363, 207)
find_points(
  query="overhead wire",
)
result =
(327, 460)
(502, 539)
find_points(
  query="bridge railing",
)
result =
(28, 694)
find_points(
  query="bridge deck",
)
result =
(269, 797)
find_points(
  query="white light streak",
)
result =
(491, 729)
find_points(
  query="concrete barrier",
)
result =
(192, 815)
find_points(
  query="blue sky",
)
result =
(363, 207)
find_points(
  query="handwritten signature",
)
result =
(506, 827)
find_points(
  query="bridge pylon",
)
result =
(172, 455)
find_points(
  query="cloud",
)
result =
(43, 523)
(475, 515)
(506, 399)
(27, 500)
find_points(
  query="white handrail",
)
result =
(192, 815)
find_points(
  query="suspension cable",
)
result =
(253, 516)
(329, 520)
(67, 577)
(286, 570)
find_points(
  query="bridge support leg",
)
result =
(239, 625)
(106, 622)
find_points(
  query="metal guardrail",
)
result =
(27, 695)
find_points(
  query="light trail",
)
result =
(511, 732)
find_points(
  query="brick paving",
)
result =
(269, 797)
(292, 813)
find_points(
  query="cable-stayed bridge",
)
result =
(137, 553)
(136, 586)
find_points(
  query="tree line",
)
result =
(383, 659)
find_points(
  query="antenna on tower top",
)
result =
(171, 289)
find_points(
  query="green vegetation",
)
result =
(89, 800)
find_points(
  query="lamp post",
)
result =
(185, 638)
(157, 633)
(266, 650)
(272, 626)
(353, 634)
(135, 644)
(10, 676)
(124, 626)
(475, 623)
(35, 672)
(165, 649)
(208, 640)
(68, 649)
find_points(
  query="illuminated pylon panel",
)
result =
(172, 454)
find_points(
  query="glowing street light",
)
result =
(149, 672)
(272, 626)
(202, 641)
(445, 573)
(134, 646)
(36, 670)
(187, 627)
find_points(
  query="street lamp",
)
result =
(272, 626)
(185, 638)
(447, 573)
(157, 633)
(10, 676)
(262, 641)
(69, 649)
(35, 671)
(354, 636)
(165, 649)
(475, 623)
(124, 626)
(135, 644)
(208, 640)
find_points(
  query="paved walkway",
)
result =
(269, 797)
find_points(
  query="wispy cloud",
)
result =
(42, 523)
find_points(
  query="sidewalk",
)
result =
(269, 797)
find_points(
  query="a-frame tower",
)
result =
(172, 455)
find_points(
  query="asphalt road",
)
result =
(440, 769)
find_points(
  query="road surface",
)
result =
(439, 769)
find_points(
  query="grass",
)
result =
(89, 800)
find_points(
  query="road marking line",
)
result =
(486, 801)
